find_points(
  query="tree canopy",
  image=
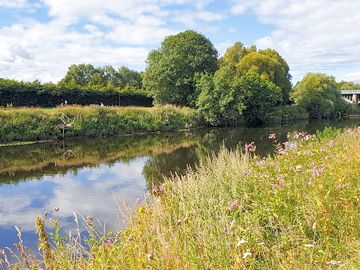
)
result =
(88, 75)
(317, 92)
(226, 98)
(171, 70)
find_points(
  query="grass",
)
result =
(296, 210)
(32, 124)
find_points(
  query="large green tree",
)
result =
(318, 94)
(226, 97)
(270, 66)
(235, 53)
(171, 70)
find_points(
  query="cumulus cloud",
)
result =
(13, 3)
(105, 32)
(313, 35)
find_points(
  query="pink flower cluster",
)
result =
(250, 147)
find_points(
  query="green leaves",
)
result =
(171, 71)
(318, 94)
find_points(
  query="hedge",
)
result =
(35, 94)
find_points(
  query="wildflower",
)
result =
(239, 243)
(315, 171)
(298, 168)
(246, 254)
(251, 147)
(232, 224)
(157, 190)
(150, 256)
(233, 205)
(272, 136)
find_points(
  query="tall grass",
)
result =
(297, 210)
(30, 124)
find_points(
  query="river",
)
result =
(105, 177)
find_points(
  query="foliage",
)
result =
(270, 66)
(344, 85)
(225, 98)
(171, 70)
(26, 124)
(297, 210)
(286, 114)
(234, 54)
(318, 94)
(49, 95)
(87, 75)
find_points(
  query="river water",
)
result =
(105, 177)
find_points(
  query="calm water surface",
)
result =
(98, 177)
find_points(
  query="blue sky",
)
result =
(39, 39)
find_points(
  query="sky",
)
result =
(39, 39)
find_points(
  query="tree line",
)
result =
(246, 84)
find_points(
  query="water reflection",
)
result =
(96, 176)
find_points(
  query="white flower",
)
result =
(238, 244)
(309, 245)
(246, 254)
(333, 262)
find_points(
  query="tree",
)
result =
(171, 70)
(82, 75)
(344, 85)
(318, 94)
(226, 98)
(129, 77)
(269, 65)
(234, 54)
(87, 75)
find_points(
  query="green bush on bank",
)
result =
(29, 124)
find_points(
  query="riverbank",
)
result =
(36, 124)
(297, 210)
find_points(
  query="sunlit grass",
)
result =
(31, 124)
(297, 210)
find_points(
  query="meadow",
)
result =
(298, 209)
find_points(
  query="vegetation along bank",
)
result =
(245, 86)
(296, 210)
(29, 124)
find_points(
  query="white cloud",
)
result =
(353, 76)
(13, 3)
(104, 32)
(313, 35)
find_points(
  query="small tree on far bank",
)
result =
(318, 94)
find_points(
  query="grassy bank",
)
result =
(31, 124)
(297, 210)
